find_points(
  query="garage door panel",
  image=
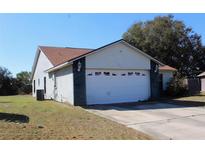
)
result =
(118, 86)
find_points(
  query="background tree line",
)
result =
(171, 42)
(13, 86)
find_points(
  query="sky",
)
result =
(20, 34)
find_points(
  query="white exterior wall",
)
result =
(118, 56)
(42, 64)
(203, 84)
(64, 85)
(118, 59)
(167, 76)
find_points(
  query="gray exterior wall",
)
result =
(79, 82)
(154, 80)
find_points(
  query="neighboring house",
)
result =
(202, 77)
(115, 73)
(166, 73)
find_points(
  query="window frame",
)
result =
(55, 82)
(34, 86)
(44, 80)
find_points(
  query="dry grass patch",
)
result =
(197, 100)
(22, 117)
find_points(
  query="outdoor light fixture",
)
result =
(156, 68)
(79, 66)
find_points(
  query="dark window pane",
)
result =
(44, 84)
(107, 73)
(97, 73)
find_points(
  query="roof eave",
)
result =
(201, 75)
(58, 67)
(168, 70)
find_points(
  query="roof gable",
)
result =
(117, 56)
(70, 60)
(35, 63)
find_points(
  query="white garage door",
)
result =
(117, 86)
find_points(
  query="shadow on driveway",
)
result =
(162, 104)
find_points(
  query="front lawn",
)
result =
(197, 100)
(22, 117)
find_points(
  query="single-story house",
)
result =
(115, 73)
(202, 77)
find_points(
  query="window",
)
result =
(137, 73)
(113, 74)
(44, 84)
(55, 82)
(123, 74)
(34, 86)
(107, 73)
(38, 82)
(130, 73)
(143, 74)
(90, 74)
(97, 73)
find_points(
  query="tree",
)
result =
(24, 77)
(24, 82)
(7, 82)
(169, 41)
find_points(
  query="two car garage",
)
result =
(117, 86)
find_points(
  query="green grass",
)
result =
(52, 120)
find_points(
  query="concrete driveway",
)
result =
(160, 120)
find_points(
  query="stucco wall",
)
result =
(154, 80)
(63, 92)
(79, 82)
(42, 64)
(118, 56)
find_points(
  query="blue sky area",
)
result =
(20, 34)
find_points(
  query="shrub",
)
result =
(24, 82)
(25, 89)
(177, 87)
(7, 83)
